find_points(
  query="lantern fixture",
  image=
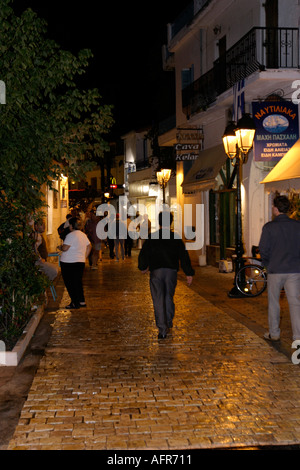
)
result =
(238, 141)
(163, 176)
(245, 133)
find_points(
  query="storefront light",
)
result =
(163, 176)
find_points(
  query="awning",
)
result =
(286, 174)
(202, 175)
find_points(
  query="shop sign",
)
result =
(189, 144)
(277, 129)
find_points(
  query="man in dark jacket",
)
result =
(280, 252)
(161, 255)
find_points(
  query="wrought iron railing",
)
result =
(260, 49)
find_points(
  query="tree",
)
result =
(48, 126)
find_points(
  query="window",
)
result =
(187, 77)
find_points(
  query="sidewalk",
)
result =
(106, 382)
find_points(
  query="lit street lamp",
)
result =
(163, 177)
(238, 141)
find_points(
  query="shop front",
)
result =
(209, 182)
(146, 196)
(285, 179)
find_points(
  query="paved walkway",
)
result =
(106, 382)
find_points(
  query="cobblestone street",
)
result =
(106, 381)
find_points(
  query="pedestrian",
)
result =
(87, 229)
(75, 250)
(63, 229)
(91, 232)
(145, 228)
(110, 236)
(129, 239)
(162, 254)
(279, 248)
(119, 236)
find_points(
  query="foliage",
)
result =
(48, 126)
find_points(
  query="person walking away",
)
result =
(145, 229)
(75, 250)
(120, 236)
(279, 248)
(91, 232)
(129, 239)
(162, 255)
(110, 235)
(63, 229)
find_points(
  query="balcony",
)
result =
(182, 20)
(260, 49)
(187, 16)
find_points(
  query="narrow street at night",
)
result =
(105, 381)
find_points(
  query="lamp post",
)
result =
(163, 177)
(238, 141)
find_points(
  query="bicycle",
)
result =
(251, 279)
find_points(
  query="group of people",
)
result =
(163, 253)
(80, 242)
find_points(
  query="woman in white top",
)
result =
(75, 250)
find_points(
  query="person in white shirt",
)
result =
(75, 250)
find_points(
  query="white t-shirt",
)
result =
(78, 242)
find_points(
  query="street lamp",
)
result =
(238, 141)
(163, 177)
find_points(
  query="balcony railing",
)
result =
(260, 49)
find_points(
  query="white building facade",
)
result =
(141, 187)
(227, 55)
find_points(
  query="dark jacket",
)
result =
(279, 245)
(158, 252)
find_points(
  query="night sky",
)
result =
(126, 39)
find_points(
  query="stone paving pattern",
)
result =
(106, 381)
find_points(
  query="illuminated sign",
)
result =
(277, 129)
(189, 144)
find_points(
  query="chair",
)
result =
(52, 288)
(56, 253)
(53, 292)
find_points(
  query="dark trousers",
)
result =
(111, 244)
(128, 245)
(163, 283)
(72, 274)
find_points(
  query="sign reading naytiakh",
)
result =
(189, 144)
(277, 129)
